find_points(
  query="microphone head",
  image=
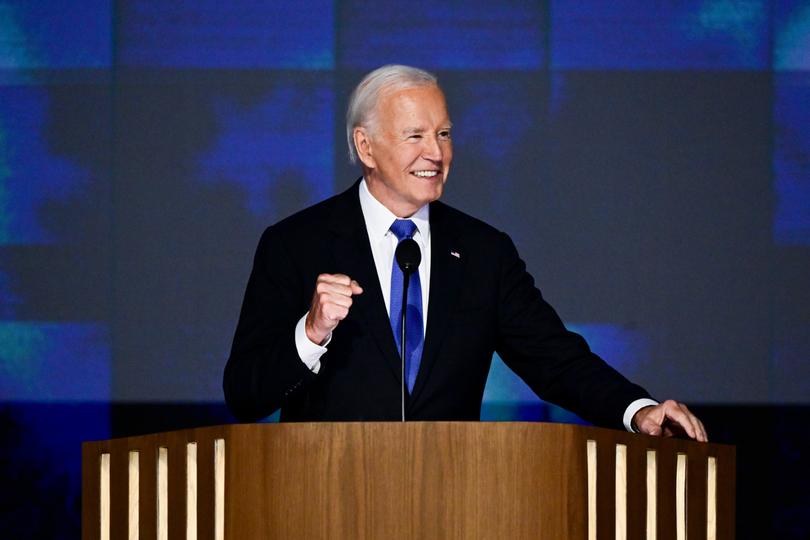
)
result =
(408, 255)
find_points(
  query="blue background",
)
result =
(651, 160)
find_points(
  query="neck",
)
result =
(378, 190)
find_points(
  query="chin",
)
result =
(433, 195)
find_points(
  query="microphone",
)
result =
(408, 256)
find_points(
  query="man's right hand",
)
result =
(330, 305)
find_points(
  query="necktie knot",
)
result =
(403, 228)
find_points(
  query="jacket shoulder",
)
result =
(310, 221)
(464, 223)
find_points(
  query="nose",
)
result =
(431, 150)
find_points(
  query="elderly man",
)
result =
(319, 330)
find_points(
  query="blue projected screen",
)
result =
(649, 159)
(791, 35)
(633, 34)
(462, 35)
(264, 148)
(792, 158)
(55, 34)
(227, 35)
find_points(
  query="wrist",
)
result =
(316, 337)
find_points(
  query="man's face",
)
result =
(408, 152)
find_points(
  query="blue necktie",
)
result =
(414, 335)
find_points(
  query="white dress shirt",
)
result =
(383, 242)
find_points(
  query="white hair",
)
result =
(363, 102)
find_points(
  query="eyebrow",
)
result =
(417, 130)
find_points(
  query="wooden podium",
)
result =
(414, 480)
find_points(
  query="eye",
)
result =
(444, 134)
(415, 136)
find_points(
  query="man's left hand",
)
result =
(669, 418)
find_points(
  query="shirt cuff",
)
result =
(631, 411)
(309, 352)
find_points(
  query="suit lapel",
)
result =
(352, 254)
(446, 268)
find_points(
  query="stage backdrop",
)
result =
(651, 160)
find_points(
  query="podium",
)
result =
(412, 480)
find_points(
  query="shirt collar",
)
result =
(379, 218)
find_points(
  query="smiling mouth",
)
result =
(425, 174)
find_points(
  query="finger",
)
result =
(679, 414)
(356, 288)
(703, 435)
(333, 289)
(682, 421)
(341, 279)
(325, 299)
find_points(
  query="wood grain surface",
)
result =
(415, 480)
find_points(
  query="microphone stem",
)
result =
(406, 275)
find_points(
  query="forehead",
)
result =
(420, 105)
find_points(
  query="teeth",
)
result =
(426, 174)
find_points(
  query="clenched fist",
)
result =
(330, 305)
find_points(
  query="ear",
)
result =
(362, 145)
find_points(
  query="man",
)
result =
(318, 334)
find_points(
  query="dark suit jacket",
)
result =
(480, 302)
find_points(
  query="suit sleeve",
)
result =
(556, 363)
(264, 370)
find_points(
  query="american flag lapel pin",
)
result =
(455, 254)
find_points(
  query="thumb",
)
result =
(356, 288)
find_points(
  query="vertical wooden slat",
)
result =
(191, 491)
(711, 498)
(119, 489)
(652, 493)
(219, 489)
(621, 492)
(147, 507)
(606, 490)
(163, 493)
(666, 460)
(205, 486)
(726, 490)
(680, 497)
(134, 496)
(176, 443)
(696, 493)
(104, 496)
(591, 452)
(636, 487)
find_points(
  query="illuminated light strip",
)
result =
(219, 489)
(680, 498)
(191, 491)
(652, 494)
(163, 494)
(621, 492)
(134, 494)
(104, 497)
(711, 499)
(591, 453)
